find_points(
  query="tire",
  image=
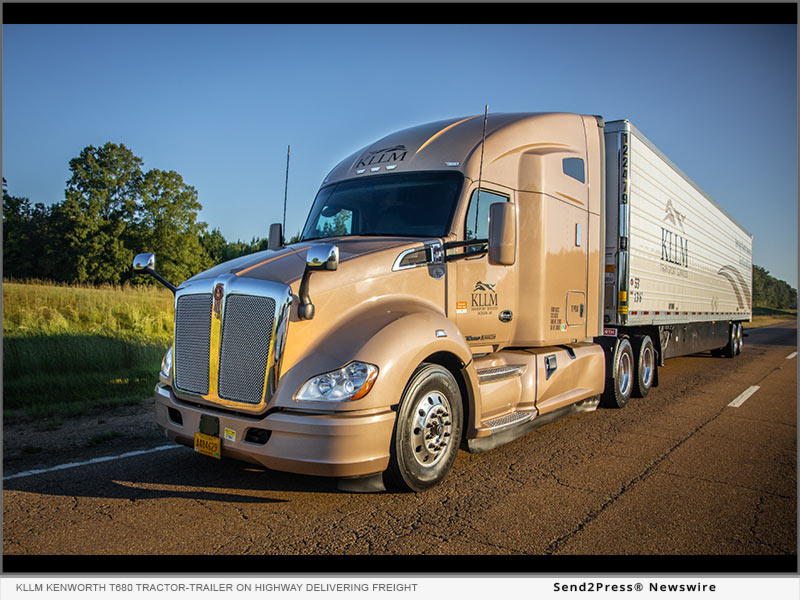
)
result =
(645, 365)
(619, 382)
(739, 339)
(729, 350)
(427, 430)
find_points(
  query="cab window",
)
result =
(335, 221)
(476, 226)
(574, 168)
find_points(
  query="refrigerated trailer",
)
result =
(678, 268)
(456, 285)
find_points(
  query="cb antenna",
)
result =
(286, 187)
(480, 169)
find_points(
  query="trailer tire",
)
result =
(619, 383)
(427, 430)
(739, 339)
(729, 350)
(645, 364)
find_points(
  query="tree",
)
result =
(771, 292)
(100, 206)
(166, 224)
(16, 234)
(214, 244)
(27, 238)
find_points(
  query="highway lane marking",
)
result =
(93, 461)
(792, 355)
(744, 396)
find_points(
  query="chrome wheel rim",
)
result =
(431, 429)
(647, 366)
(624, 370)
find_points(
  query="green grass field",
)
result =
(69, 350)
(763, 316)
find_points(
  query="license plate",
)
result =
(207, 444)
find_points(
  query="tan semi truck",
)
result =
(417, 316)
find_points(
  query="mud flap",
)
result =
(363, 485)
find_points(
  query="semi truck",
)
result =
(456, 285)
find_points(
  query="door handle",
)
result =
(505, 316)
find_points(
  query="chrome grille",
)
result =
(244, 349)
(192, 342)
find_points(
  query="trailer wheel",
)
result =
(645, 365)
(427, 431)
(619, 383)
(729, 350)
(739, 339)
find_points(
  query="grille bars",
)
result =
(235, 351)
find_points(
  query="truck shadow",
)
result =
(172, 474)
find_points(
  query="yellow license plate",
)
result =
(207, 444)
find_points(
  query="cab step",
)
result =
(505, 433)
(508, 420)
(491, 374)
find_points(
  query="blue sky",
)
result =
(220, 103)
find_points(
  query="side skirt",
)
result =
(509, 434)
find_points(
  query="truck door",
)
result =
(484, 297)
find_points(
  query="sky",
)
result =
(219, 104)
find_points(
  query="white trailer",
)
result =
(678, 268)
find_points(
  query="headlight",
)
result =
(351, 382)
(166, 366)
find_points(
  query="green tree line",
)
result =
(771, 292)
(113, 210)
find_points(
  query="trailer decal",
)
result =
(738, 283)
(674, 248)
(673, 216)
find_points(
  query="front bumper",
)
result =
(334, 445)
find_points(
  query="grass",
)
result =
(71, 350)
(763, 316)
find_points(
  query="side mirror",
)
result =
(146, 263)
(275, 237)
(324, 257)
(502, 233)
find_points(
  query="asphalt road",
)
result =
(677, 473)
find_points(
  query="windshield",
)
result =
(406, 204)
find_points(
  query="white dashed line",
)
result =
(90, 462)
(744, 396)
(792, 355)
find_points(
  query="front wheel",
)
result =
(427, 431)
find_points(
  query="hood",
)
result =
(287, 264)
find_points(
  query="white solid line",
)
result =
(744, 396)
(792, 355)
(90, 462)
